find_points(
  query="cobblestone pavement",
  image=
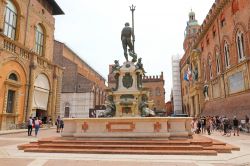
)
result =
(11, 156)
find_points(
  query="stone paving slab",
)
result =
(15, 162)
(16, 131)
(113, 163)
(10, 153)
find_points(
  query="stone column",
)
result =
(16, 107)
(199, 70)
(58, 93)
(191, 102)
(33, 65)
(53, 102)
(3, 122)
(197, 108)
(49, 104)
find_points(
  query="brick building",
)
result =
(29, 81)
(155, 85)
(82, 87)
(216, 61)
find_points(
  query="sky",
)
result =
(92, 29)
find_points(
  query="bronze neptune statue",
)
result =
(126, 34)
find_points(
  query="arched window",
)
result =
(13, 77)
(204, 71)
(240, 45)
(157, 91)
(217, 56)
(10, 20)
(227, 54)
(210, 68)
(39, 40)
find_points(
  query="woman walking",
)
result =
(38, 122)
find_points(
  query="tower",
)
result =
(191, 30)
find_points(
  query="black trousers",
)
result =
(29, 130)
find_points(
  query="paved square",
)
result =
(10, 155)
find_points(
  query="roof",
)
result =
(56, 8)
(75, 54)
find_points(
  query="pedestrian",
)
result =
(236, 125)
(38, 122)
(247, 124)
(193, 128)
(58, 124)
(198, 126)
(203, 124)
(208, 125)
(30, 123)
(225, 125)
(61, 125)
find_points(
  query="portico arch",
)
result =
(41, 97)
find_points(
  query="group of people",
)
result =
(210, 123)
(36, 123)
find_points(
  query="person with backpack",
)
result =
(61, 125)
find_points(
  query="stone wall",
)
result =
(78, 103)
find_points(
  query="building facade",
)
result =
(216, 66)
(176, 82)
(155, 85)
(29, 81)
(82, 87)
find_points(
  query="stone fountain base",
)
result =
(127, 127)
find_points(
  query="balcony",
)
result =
(18, 50)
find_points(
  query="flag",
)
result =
(188, 75)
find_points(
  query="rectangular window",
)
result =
(10, 23)
(39, 42)
(10, 101)
(217, 65)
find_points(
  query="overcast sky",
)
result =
(92, 28)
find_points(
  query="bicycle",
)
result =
(11, 126)
(21, 126)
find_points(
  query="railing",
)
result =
(24, 53)
(14, 47)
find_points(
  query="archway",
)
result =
(41, 96)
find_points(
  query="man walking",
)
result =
(30, 123)
(236, 125)
(58, 124)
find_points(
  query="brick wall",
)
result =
(222, 23)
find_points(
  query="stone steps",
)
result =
(122, 146)
(198, 145)
(114, 142)
(123, 151)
